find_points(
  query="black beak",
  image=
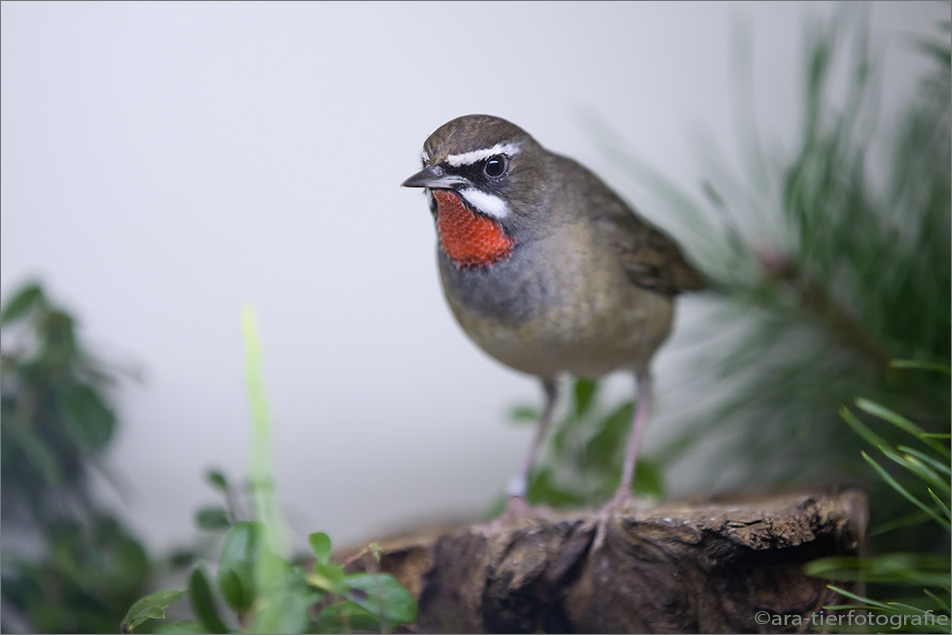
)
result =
(433, 177)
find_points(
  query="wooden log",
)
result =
(709, 568)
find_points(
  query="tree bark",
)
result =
(710, 568)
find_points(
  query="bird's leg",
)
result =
(516, 504)
(623, 495)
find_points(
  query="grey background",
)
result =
(162, 164)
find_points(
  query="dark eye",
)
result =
(495, 166)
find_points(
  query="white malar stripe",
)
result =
(469, 158)
(488, 204)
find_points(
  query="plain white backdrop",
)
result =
(164, 163)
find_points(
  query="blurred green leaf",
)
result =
(34, 449)
(89, 420)
(243, 546)
(648, 479)
(609, 443)
(381, 595)
(320, 546)
(327, 577)
(151, 606)
(20, 304)
(217, 480)
(203, 602)
(233, 589)
(285, 606)
(542, 490)
(212, 519)
(524, 414)
(346, 617)
(585, 390)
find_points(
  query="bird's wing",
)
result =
(650, 257)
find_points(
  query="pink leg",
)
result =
(518, 487)
(516, 504)
(623, 494)
(644, 382)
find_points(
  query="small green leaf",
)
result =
(648, 480)
(284, 609)
(203, 602)
(212, 519)
(327, 577)
(604, 448)
(34, 448)
(89, 421)
(21, 303)
(585, 390)
(524, 414)
(271, 570)
(346, 617)
(151, 606)
(233, 590)
(244, 543)
(217, 480)
(381, 595)
(321, 546)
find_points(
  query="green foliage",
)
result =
(266, 592)
(926, 486)
(57, 420)
(151, 606)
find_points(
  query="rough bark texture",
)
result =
(672, 569)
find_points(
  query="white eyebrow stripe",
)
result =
(425, 156)
(468, 158)
(488, 204)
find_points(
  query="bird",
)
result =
(549, 271)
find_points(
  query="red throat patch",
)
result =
(469, 239)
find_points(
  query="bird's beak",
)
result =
(433, 177)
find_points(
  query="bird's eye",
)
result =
(495, 166)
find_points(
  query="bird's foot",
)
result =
(622, 502)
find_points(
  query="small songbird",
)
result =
(547, 269)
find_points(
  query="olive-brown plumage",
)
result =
(586, 286)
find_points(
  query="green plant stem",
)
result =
(262, 483)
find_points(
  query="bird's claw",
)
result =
(622, 501)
